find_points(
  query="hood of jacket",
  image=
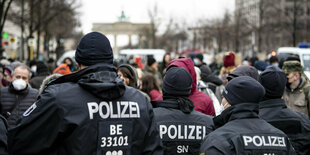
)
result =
(189, 66)
(244, 71)
(101, 80)
(207, 76)
(213, 79)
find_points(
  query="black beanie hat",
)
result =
(94, 48)
(199, 56)
(205, 72)
(150, 61)
(243, 89)
(41, 67)
(177, 82)
(274, 82)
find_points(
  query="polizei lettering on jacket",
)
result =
(264, 142)
(119, 109)
(181, 132)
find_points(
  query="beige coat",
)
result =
(296, 99)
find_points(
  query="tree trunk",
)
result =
(3, 14)
(294, 23)
(39, 30)
(22, 31)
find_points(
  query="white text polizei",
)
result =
(182, 132)
(122, 109)
(260, 140)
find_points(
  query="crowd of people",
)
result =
(93, 105)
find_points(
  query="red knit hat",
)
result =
(229, 59)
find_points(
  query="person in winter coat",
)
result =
(164, 64)
(67, 67)
(273, 109)
(228, 66)
(297, 92)
(239, 130)
(41, 74)
(18, 96)
(7, 76)
(152, 68)
(149, 85)
(181, 128)
(260, 65)
(212, 81)
(203, 87)
(88, 112)
(273, 62)
(128, 74)
(203, 103)
(130, 77)
(198, 60)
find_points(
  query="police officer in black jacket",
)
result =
(239, 129)
(273, 109)
(3, 136)
(90, 112)
(181, 128)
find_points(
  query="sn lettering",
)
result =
(182, 149)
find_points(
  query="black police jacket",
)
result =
(90, 112)
(244, 133)
(3, 136)
(181, 133)
(294, 124)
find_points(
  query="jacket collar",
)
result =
(20, 92)
(180, 103)
(101, 80)
(239, 111)
(75, 77)
(165, 104)
(272, 103)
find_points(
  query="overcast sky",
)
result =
(189, 10)
(97, 11)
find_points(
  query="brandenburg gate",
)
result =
(123, 27)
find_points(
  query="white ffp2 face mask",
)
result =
(19, 84)
(34, 69)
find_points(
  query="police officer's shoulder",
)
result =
(215, 139)
(194, 112)
(204, 116)
(304, 119)
(58, 88)
(131, 90)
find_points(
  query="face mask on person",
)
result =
(221, 109)
(34, 69)
(195, 61)
(19, 84)
(275, 64)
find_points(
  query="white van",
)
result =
(302, 53)
(157, 54)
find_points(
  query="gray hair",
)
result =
(22, 66)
